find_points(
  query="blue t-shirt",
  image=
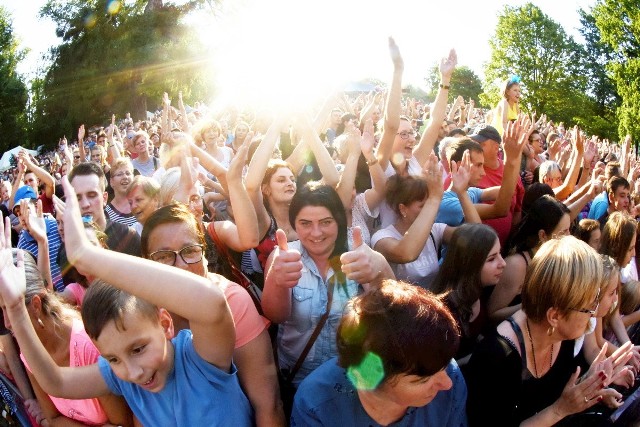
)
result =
(450, 211)
(599, 206)
(196, 393)
(327, 398)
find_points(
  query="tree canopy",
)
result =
(115, 57)
(464, 82)
(13, 91)
(531, 45)
(618, 22)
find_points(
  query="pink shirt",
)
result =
(249, 324)
(82, 352)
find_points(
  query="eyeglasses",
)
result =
(189, 254)
(593, 311)
(405, 134)
(121, 174)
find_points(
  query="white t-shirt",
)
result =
(423, 270)
(387, 215)
(361, 216)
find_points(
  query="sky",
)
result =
(263, 45)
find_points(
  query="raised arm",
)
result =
(256, 171)
(325, 162)
(197, 299)
(44, 176)
(438, 112)
(392, 109)
(114, 152)
(57, 381)
(83, 154)
(564, 190)
(242, 234)
(515, 137)
(36, 226)
(412, 242)
(17, 182)
(283, 271)
(348, 178)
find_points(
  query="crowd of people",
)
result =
(372, 261)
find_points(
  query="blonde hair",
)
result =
(565, 273)
(148, 185)
(120, 163)
(168, 186)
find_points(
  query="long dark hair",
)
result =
(544, 214)
(460, 273)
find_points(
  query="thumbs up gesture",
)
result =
(287, 266)
(363, 264)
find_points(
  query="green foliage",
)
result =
(600, 84)
(13, 91)
(530, 44)
(115, 60)
(464, 82)
(619, 24)
(417, 93)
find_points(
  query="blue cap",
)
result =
(24, 192)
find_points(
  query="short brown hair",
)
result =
(103, 303)
(405, 190)
(409, 328)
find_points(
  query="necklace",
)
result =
(533, 351)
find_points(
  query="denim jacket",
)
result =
(308, 304)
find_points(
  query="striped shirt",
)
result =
(116, 216)
(29, 244)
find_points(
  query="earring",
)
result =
(551, 330)
(40, 322)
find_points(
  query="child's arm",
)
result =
(57, 381)
(204, 305)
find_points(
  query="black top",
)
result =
(502, 391)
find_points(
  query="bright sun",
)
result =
(288, 54)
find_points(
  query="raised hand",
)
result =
(516, 136)
(577, 139)
(448, 64)
(33, 223)
(12, 278)
(238, 162)
(81, 134)
(75, 238)
(460, 173)
(394, 52)
(287, 264)
(432, 173)
(362, 264)
(367, 141)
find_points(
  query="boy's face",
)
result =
(139, 351)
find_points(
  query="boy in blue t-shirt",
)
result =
(187, 380)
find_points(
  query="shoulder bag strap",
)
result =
(314, 335)
(222, 248)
